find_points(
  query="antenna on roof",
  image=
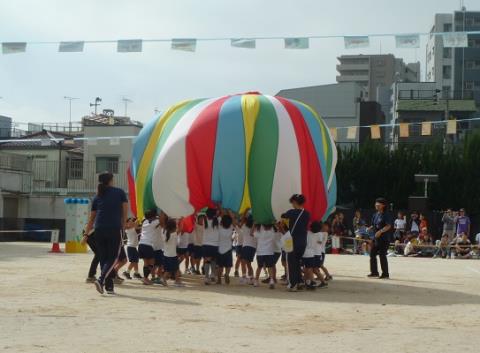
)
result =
(126, 101)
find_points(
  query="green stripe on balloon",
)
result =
(263, 157)
(149, 202)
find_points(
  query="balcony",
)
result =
(353, 67)
(353, 78)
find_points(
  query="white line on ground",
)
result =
(472, 269)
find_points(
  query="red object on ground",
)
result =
(335, 251)
(55, 248)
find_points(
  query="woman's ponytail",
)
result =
(104, 180)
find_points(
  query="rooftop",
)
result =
(44, 140)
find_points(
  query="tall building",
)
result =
(456, 71)
(374, 72)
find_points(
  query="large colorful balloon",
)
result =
(242, 151)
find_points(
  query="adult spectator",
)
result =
(382, 225)
(463, 223)
(423, 221)
(414, 224)
(108, 216)
(298, 219)
(448, 220)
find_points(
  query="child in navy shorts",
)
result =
(248, 249)
(170, 263)
(265, 236)
(224, 259)
(132, 252)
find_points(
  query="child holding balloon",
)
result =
(210, 245)
(224, 260)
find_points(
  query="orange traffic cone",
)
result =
(55, 248)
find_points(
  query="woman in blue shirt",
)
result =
(108, 216)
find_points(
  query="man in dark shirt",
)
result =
(298, 220)
(382, 226)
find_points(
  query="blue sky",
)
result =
(34, 83)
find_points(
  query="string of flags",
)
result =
(403, 128)
(450, 40)
(375, 133)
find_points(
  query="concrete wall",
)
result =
(104, 148)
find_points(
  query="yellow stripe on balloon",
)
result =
(250, 109)
(148, 155)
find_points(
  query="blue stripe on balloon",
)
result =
(228, 175)
(332, 198)
(140, 143)
(316, 134)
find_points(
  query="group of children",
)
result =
(163, 245)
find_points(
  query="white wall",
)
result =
(103, 148)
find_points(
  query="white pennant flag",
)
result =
(70, 47)
(408, 41)
(356, 42)
(455, 40)
(184, 44)
(351, 133)
(14, 47)
(129, 46)
(296, 43)
(243, 43)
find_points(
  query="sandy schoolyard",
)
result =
(429, 305)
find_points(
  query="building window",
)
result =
(447, 27)
(447, 53)
(447, 72)
(472, 64)
(75, 169)
(474, 43)
(469, 85)
(109, 164)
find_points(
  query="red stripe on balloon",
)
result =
(200, 152)
(313, 187)
(131, 192)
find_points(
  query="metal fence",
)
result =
(73, 176)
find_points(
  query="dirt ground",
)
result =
(429, 305)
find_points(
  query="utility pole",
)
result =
(96, 104)
(70, 99)
(126, 101)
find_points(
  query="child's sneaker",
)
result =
(98, 286)
(236, 274)
(179, 284)
(227, 279)
(147, 282)
(255, 283)
(137, 275)
(272, 284)
(127, 275)
(91, 279)
(118, 280)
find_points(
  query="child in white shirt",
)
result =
(320, 241)
(170, 264)
(224, 260)
(132, 252)
(265, 236)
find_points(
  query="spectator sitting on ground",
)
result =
(442, 246)
(410, 249)
(477, 243)
(463, 247)
(401, 243)
(425, 241)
